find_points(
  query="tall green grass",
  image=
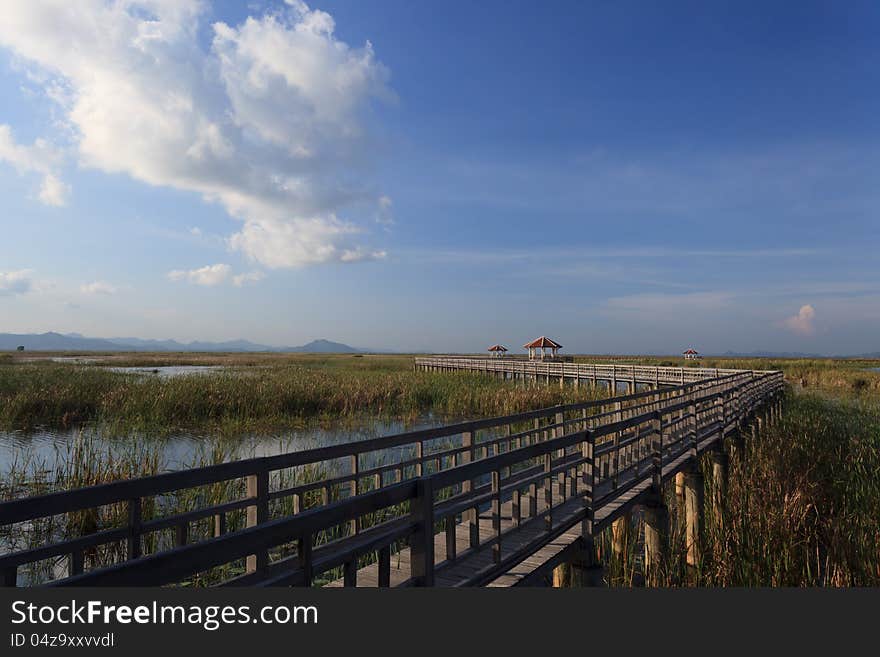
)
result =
(259, 398)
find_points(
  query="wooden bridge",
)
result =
(612, 376)
(493, 502)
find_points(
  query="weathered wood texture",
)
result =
(493, 501)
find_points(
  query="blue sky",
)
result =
(623, 177)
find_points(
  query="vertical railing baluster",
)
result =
(548, 491)
(385, 566)
(496, 515)
(133, 541)
(75, 565)
(349, 573)
(355, 523)
(422, 539)
(304, 555)
(657, 451)
(257, 513)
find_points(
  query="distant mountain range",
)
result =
(75, 342)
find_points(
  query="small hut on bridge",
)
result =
(497, 350)
(691, 354)
(538, 348)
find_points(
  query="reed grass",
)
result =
(261, 397)
(801, 508)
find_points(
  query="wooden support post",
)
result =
(679, 489)
(562, 576)
(584, 570)
(720, 468)
(694, 507)
(656, 517)
(422, 540)
(620, 534)
(258, 513)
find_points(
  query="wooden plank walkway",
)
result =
(477, 566)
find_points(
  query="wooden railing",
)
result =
(647, 374)
(381, 496)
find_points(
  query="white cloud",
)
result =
(53, 191)
(41, 157)
(267, 122)
(385, 214)
(15, 282)
(239, 280)
(209, 275)
(802, 322)
(98, 287)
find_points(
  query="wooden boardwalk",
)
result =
(495, 502)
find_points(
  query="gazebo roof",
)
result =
(690, 351)
(497, 347)
(542, 342)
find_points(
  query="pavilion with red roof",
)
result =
(538, 348)
(498, 350)
(691, 354)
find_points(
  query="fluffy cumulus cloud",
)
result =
(267, 119)
(802, 322)
(15, 282)
(209, 275)
(40, 157)
(98, 287)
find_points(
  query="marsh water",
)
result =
(48, 450)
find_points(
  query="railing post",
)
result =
(657, 451)
(471, 516)
(258, 513)
(548, 491)
(304, 554)
(496, 516)
(422, 540)
(133, 542)
(9, 577)
(589, 482)
(355, 526)
(558, 433)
